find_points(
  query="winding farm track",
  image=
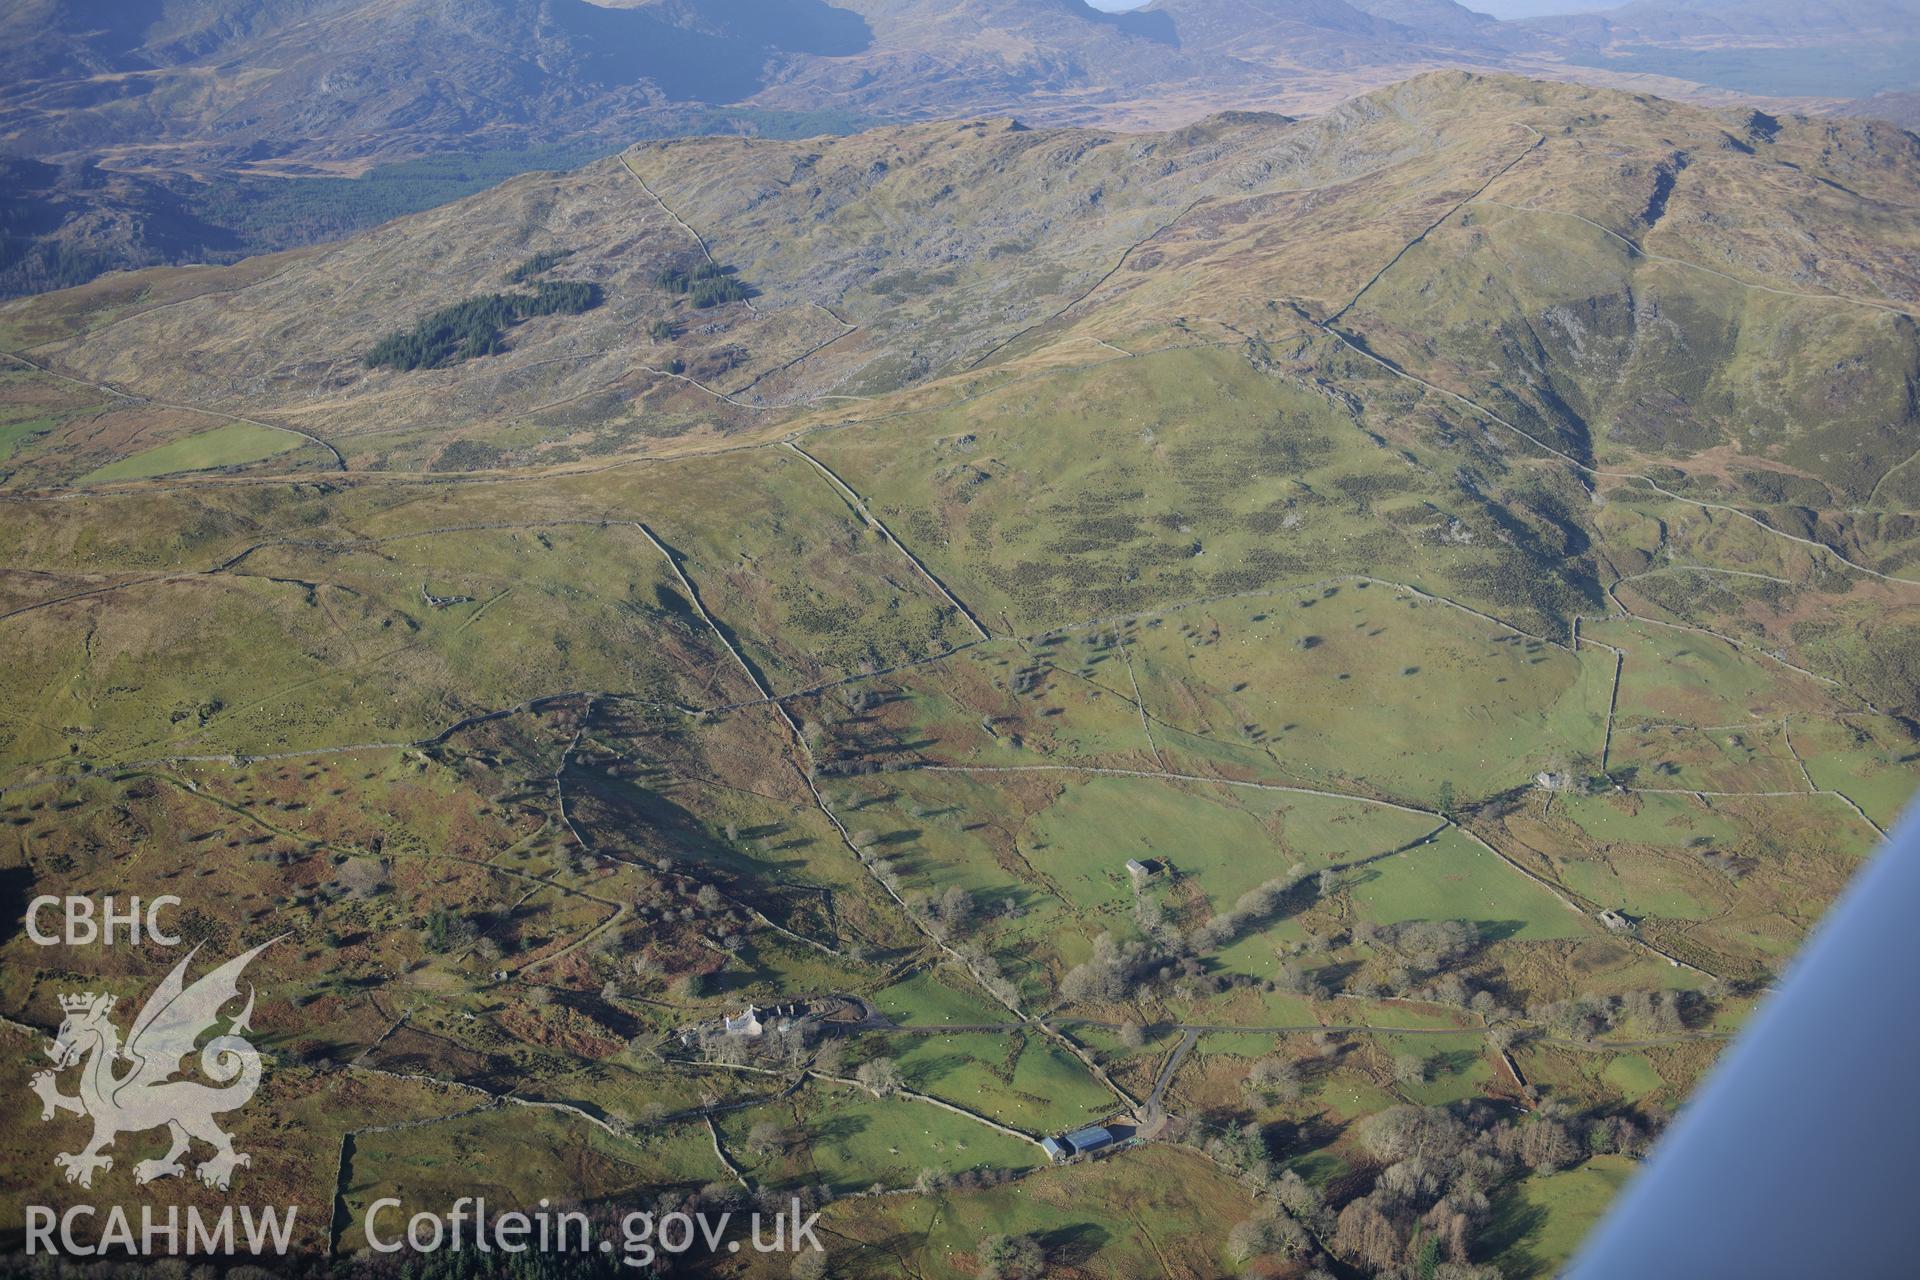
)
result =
(1157, 1099)
(720, 1153)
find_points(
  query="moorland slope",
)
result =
(1462, 548)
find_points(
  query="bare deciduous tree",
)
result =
(881, 1075)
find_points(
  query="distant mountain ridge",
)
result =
(1668, 20)
(175, 90)
(225, 81)
(353, 77)
(344, 78)
(1901, 108)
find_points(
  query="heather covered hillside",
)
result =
(1329, 662)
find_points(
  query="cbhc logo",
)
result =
(87, 922)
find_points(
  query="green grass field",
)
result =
(1435, 695)
(1679, 676)
(853, 1141)
(1455, 879)
(22, 431)
(1158, 1210)
(233, 445)
(1544, 1220)
(924, 999)
(1020, 1080)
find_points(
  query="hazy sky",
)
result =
(1498, 8)
(1539, 8)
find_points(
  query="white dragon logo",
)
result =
(147, 1096)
